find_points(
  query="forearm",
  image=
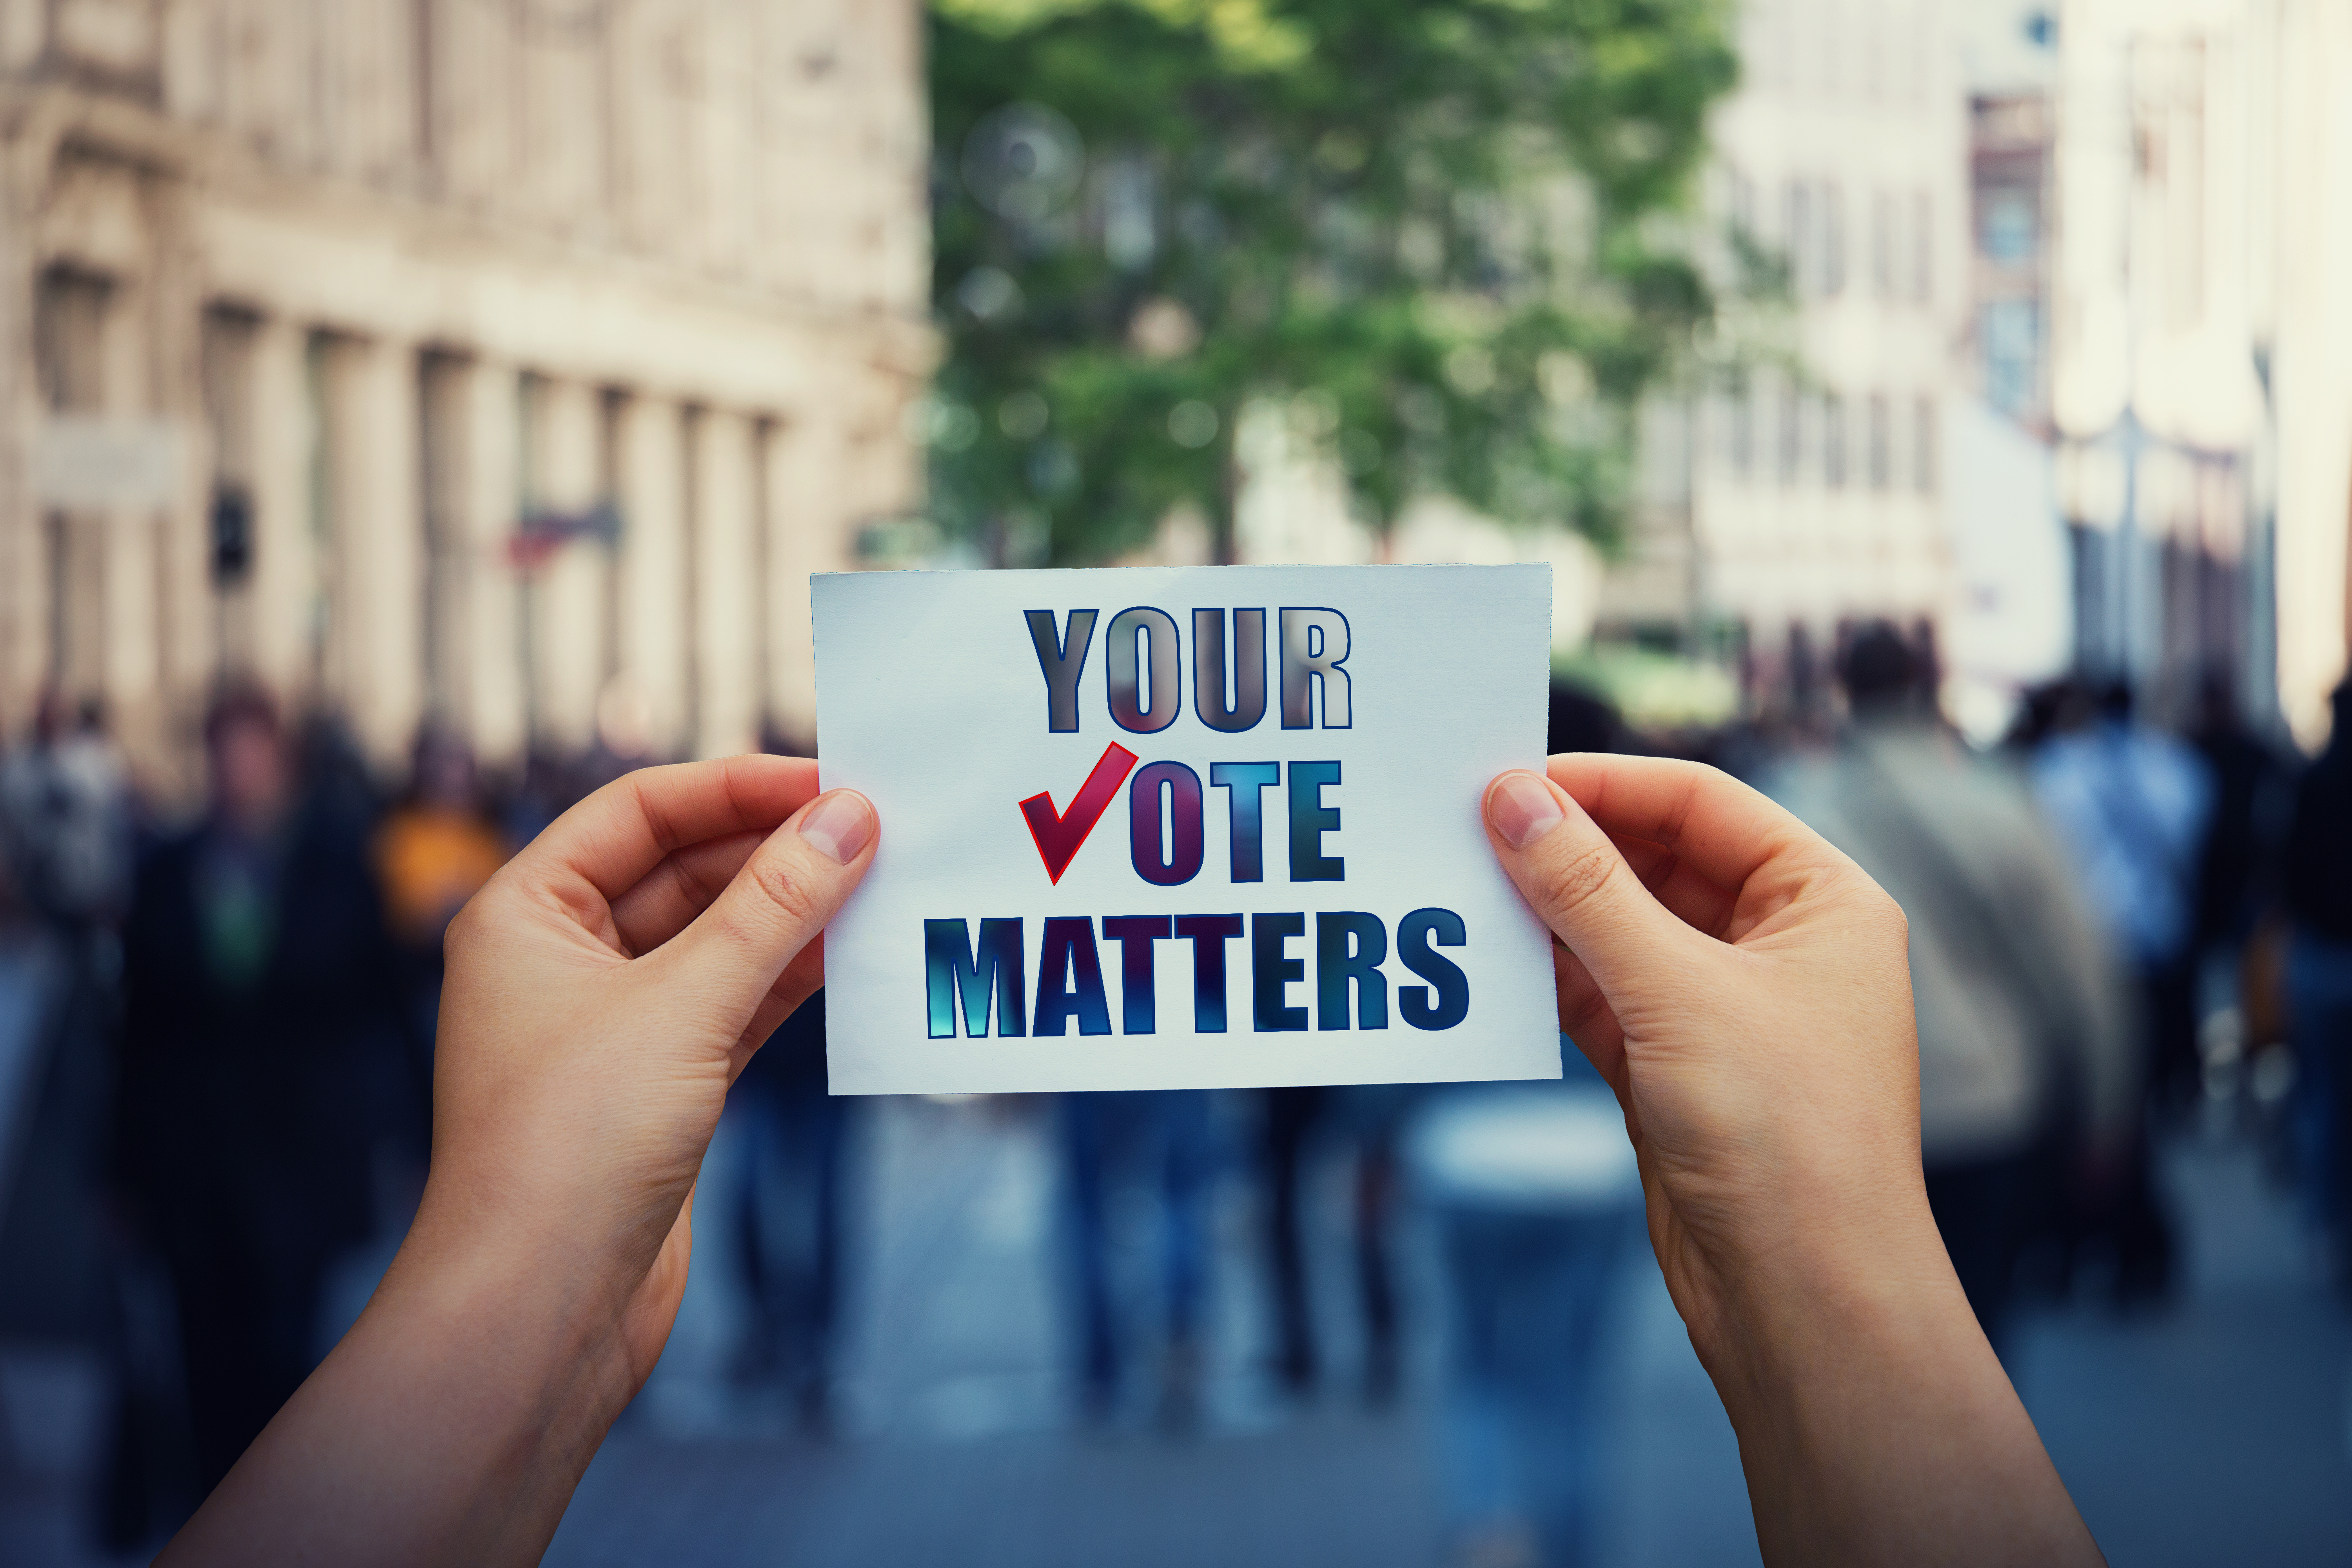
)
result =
(451, 1425)
(1876, 1426)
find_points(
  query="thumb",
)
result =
(1577, 882)
(776, 904)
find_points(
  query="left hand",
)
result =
(603, 990)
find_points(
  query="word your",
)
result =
(966, 978)
(1147, 665)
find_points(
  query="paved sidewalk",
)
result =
(2216, 1432)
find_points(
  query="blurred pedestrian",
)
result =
(66, 831)
(2027, 1067)
(2319, 982)
(1539, 1204)
(262, 1069)
(2130, 806)
(435, 850)
(2253, 797)
(65, 836)
(65, 822)
(788, 1234)
(1160, 1142)
(1295, 1122)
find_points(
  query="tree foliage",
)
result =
(1451, 237)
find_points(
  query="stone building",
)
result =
(486, 360)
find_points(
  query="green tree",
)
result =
(1454, 238)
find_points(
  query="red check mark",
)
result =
(1058, 835)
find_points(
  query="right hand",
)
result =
(1744, 988)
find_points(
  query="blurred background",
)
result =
(415, 412)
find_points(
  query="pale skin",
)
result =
(1740, 984)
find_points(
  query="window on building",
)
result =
(1832, 238)
(69, 355)
(1739, 417)
(1923, 247)
(1791, 434)
(2009, 335)
(2008, 229)
(1923, 442)
(1799, 237)
(1882, 245)
(1881, 458)
(1833, 421)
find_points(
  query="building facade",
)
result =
(2162, 269)
(1809, 492)
(496, 364)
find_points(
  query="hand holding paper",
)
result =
(1744, 988)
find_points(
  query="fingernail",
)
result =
(1521, 808)
(839, 825)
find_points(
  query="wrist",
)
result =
(538, 1340)
(1830, 1293)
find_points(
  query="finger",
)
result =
(1679, 885)
(800, 981)
(1585, 1017)
(684, 885)
(617, 835)
(1578, 882)
(734, 952)
(1724, 831)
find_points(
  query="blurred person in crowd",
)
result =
(2237, 864)
(433, 851)
(1295, 1121)
(1539, 1204)
(262, 1069)
(1159, 1141)
(2319, 982)
(66, 837)
(2243, 939)
(1536, 1202)
(2025, 1043)
(795, 1137)
(65, 823)
(2130, 806)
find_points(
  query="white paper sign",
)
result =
(1183, 828)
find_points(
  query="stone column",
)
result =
(487, 446)
(379, 590)
(24, 619)
(652, 565)
(726, 587)
(128, 652)
(805, 534)
(569, 628)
